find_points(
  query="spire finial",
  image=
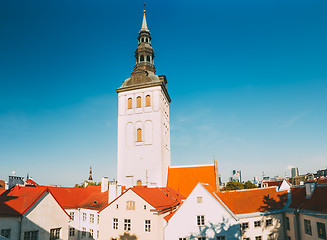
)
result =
(144, 25)
(144, 8)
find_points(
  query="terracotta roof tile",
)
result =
(159, 198)
(253, 200)
(184, 179)
(322, 180)
(31, 182)
(18, 200)
(317, 202)
(89, 197)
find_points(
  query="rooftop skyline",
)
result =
(247, 81)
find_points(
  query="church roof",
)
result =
(184, 178)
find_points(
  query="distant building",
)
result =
(322, 173)
(295, 172)
(237, 177)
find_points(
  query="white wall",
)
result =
(137, 216)
(11, 223)
(44, 215)
(264, 231)
(148, 160)
(218, 221)
(313, 220)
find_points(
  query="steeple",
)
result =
(144, 53)
(90, 177)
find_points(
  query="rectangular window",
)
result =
(98, 219)
(199, 199)
(31, 235)
(83, 232)
(307, 227)
(268, 222)
(287, 222)
(54, 233)
(321, 230)
(289, 238)
(71, 231)
(246, 238)
(115, 223)
(245, 225)
(182, 238)
(72, 215)
(127, 224)
(84, 217)
(257, 224)
(147, 225)
(271, 237)
(130, 205)
(201, 238)
(98, 234)
(200, 220)
(91, 218)
(220, 238)
(258, 238)
(91, 233)
(5, 233)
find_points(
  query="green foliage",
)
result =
(249, 184)
(233, 185)
(82, 185)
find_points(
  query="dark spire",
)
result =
(144, 53)
(90, 177)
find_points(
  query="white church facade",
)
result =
(143, 155)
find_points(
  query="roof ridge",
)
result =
(197, 165)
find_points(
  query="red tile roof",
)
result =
(18, 200)
(317, 202)
(90, 197)
(184, 179)
(159, 198)
(253, 200)
(31, 182)
(322, 180)
(271, 183)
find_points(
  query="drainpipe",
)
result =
(20, 227)
(297, 230)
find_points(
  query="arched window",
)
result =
(148, 58)
(129, 103)
(142, 58)
(138, 102)
(147, 101)
(147, 40)
(139, 183)
(142, 40)
(139, 135)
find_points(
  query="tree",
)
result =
(233, 185)
(249, 184)
(86, 183)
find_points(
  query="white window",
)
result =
(268, 222)
(84, 217)
(91, 218)
(127, 224)
(199, 199)
(202, 238)
(182, 238)
(91, 233)
(72, 215)
(130, 205)
(220, 238)
(115, 223)
(116, 206)
(83, 232)
(54, 233)
(200, 220)
(245, 225)
(257, 224)
(144, 207)
(98, 219)
(258, 238)
(71, 231)
(5, 233)
(31, 235)
(147, 225)
(98, 234)
(246, 238)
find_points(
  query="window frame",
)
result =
(115, 223)
(55, 233)
(307, 227)
(321, 226)
(127, 224)
(200, 220)
(147, 225)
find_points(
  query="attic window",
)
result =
(199, 199)
(95, 202)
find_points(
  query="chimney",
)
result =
(13, 180)
(104, 184)
(217, 175)
(309, 189)
(114, 190)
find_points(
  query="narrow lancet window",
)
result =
(138, 102)
(147, 101)
(130, 103)
(139, 135)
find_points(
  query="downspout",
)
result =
(20, 227)
(297, 230)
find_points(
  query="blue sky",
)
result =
(248, 82)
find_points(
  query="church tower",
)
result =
(143, 155)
